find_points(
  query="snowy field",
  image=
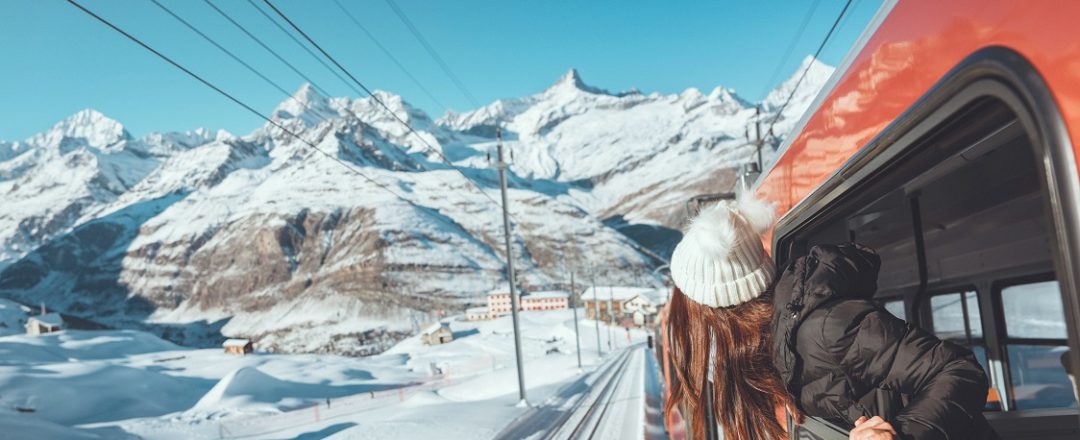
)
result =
(129, 384)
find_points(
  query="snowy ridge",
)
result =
(202, 235)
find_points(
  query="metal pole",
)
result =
(577, 335)
(757, 124)
(611, 316)
(596, 311)
(510, 270)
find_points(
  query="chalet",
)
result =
(44, 323)
(437, 333)
(238, 346)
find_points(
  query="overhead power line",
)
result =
(237, 58)
(794, 42)
(389, 54)
(379, 101)
(434, 54)
(817, 54)
(236, 100)
(268, 49)
(303, 46)
(319, 114)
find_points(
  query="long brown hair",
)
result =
(746, 389)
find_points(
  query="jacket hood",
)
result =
(827, 273)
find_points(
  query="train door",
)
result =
(966, 210)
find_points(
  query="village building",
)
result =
(499, 302)
(238, 346)
(44, 323)
(553, 300)
(477, 314)
(638, 305)
(437, 333)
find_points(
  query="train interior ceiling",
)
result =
(961, 221)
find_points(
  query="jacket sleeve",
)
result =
(946, 385)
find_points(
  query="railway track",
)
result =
(590, 413)
(592, 407)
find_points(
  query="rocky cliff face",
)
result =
(199, 235)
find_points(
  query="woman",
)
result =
(818, 343)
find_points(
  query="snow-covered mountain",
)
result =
(199, 234)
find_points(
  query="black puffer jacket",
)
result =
(842, 356)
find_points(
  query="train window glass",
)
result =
(1033, 311)
(947, 319)
(948, 314)
(1035, 343)
(896, 307)
(1038, 377)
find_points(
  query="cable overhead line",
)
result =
(236, 100)
(303, 46)
(268, 49)
(319, 114)
(807, 69)
(379, 101)
(389, 54)
(794, 42)
(237, 59)
(434, 54)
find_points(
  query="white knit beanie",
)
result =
(720, 262)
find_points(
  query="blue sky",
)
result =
(58, 60)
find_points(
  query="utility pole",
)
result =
(757, 125)
(611, 315)
(510, 271)
(577, 335)
(596, 311)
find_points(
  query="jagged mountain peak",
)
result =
(89, 127)
(307, 105)
(809, 77)
(308, 94)
(571, 81)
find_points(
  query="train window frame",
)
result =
(926, 314)
(996, 73)
(1005, 340)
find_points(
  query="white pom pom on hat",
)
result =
(720, 261)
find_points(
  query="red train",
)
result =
(944, 141)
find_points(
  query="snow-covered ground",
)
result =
(125, 384)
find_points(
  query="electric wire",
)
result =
(319, 114)
(817, 54)
(389, 54)
(236, 58)
(303, 46)
(273, 52)
(379, 101)
(236, 100)
(794, 42)
(431, 51)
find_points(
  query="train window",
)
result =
(965, 203)
(896, 307)
(955, 317)
(1033, 310)
(1035, 342)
